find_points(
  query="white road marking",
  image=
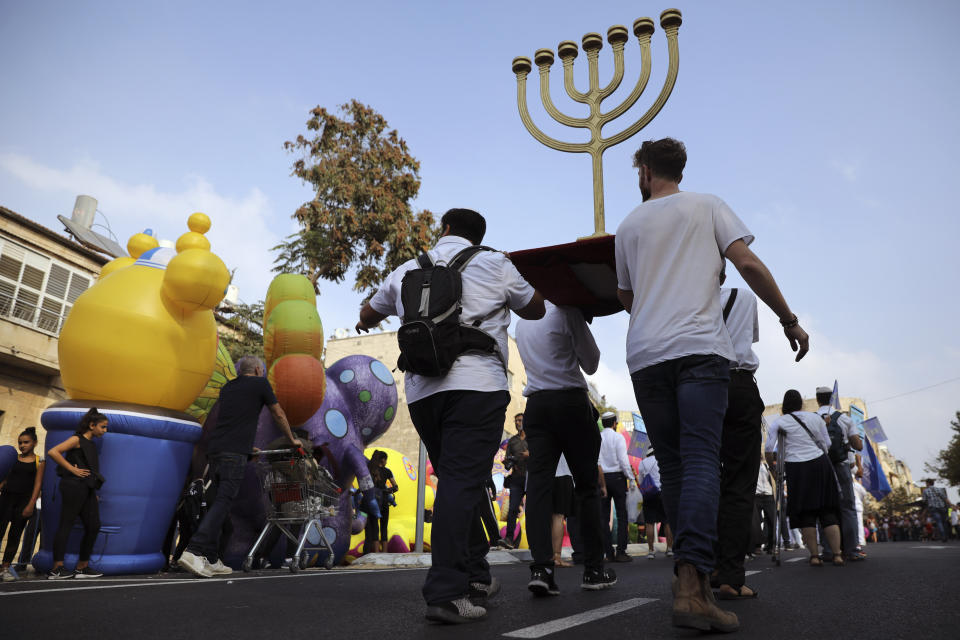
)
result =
(800, 559)
(562, 624)
(928, 546)
(750, 573)
(182, 581)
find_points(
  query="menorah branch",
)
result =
(521, 67)
(544, 59)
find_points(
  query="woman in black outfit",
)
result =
(18, 497)
(80, 477)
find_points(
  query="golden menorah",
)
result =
(617, 36)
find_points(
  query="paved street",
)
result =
(905, 590)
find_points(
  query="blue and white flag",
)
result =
(639, 440)
(835, 398)
(874, 430)
(874, 479)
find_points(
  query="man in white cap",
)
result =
(843, 436)
(617, 474)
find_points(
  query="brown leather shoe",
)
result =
(694, 606)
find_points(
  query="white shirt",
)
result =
(799, 446)
(563, 469)
(764, 486)
(743, 325)
(649, 467)
(669, 255)
(490, 283)
(613, 453)
(555, 348)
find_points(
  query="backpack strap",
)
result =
(463, 258)
(815, 441)
(729, 305)
(424, 261)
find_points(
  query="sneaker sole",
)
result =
(70, 577)
(444, 616)
(600, 586)
(80, 576)
(541, 588)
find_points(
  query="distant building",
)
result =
(41, 275)
(383, 346)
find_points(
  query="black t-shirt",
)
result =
(241, 401)
(21, 478)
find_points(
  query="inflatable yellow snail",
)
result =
(145, 332)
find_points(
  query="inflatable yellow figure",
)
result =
(145, 332)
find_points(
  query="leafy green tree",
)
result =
(241, 329)
(947, 463)
(897, 502)
(361, 218)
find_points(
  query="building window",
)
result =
(35, 290)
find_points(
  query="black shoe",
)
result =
(542, 583)
(623, 557)
(507, 544)
(597, 579)
(87, 572)
(60, 574)
(455, 612)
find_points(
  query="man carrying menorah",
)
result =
(669, 253)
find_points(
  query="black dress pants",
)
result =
(562, 422)
(617, 493)
(764, 521)
(739, 467)
(461, 431)
(79, 499)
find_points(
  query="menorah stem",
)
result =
(593, 61)
(598, 221)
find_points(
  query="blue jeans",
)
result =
(226, 473)
(940, 522)
(683, 402)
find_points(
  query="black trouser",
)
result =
(518, 489)
(764, 514)
(226, 474)
(461, 431)
(739, 466)
(562, 422)
(384, 519)
(79, 499)
(11, 513)
(617, 493)
(489, 519)
(30, 534)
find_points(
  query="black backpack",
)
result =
(838, 444)
(432, 337)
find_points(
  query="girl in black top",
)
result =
(18, 497)
(79, 479)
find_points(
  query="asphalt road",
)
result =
(904, 590)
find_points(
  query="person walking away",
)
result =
(561, 422)
(653, 512)
(457, 393)
(617, 473)
(79, 471)
(231, 442)
(860, 494)
(18, 497)
(573, 520)
(518, 454)
(669, 252)
(843, 437)
(936, 503)
(388, 487)
(740, 443)
(814, 498)
(765, 514)
(563, 491)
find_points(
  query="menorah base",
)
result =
(580, 274)
(598, 234)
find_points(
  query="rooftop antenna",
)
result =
(80, 226)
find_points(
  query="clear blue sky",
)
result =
(829, 127)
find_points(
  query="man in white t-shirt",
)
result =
(617, 474)
(460, 415)
(669, 252)
(849, 525)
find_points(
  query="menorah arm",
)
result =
(555, 113)
(638, 90)
(617, 72)
(569, 86)
(671, 79)
(569, 147)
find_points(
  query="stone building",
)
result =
(41, 274)
(383, 346)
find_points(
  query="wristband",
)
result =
(789, 324)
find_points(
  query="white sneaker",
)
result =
(219, 569)
(651, 555)
(8, 576)
(197, 565)
(669, 553)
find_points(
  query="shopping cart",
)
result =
(297, 494)
(781, 498)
